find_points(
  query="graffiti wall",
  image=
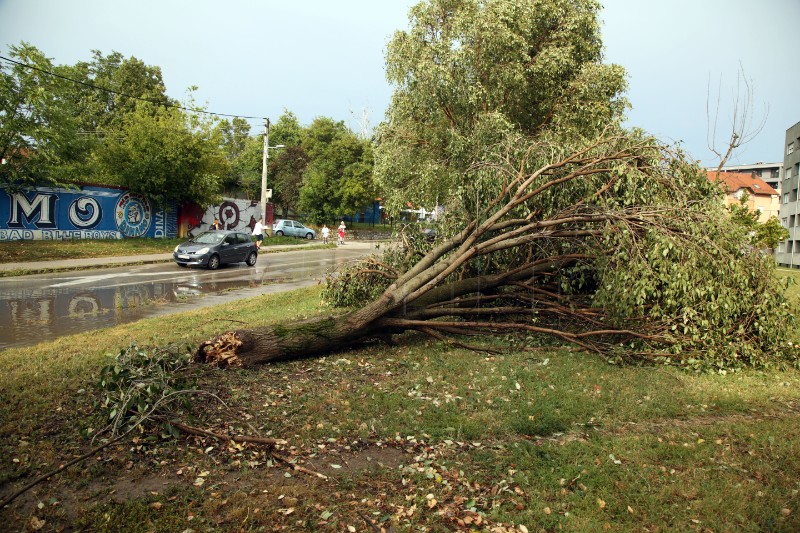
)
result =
(85, 212)
(233, 214)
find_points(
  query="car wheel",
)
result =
(213, 262)
(251, 259)
(279, 233)
(309, 236)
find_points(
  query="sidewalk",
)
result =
(34, 267)
(38, 267)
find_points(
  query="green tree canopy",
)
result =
(286, 174)
(243, 153)
(165, 154)
(286, 131)
(468, 73)
(338, 179)
(38, 124)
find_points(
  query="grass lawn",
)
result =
(418, 436)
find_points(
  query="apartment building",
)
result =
(788, 253)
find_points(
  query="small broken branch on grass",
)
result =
(235, 438)
(298, 467)
(61, 468)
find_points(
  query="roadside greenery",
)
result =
(765, 235)
(127, 132)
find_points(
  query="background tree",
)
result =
(126, 80)
(166, 155)
(109, 89)
(744, 124)
(338, 179)
(243, 153)
(38, 125)
(287, 169)
(764, 235)
(469, 73)
(286, 131)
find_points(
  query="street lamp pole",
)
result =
(264, 161)
(264, 166)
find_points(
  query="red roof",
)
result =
(734, 181)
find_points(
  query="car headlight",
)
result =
(176, 248)
(202, 251)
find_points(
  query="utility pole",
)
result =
(265, 161)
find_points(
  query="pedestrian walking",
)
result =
(342, 227)
(326, 232)
(258, 233)
(215, 225)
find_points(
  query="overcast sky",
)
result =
(326, 58)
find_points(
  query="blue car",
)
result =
(215, 248)
(292, 228)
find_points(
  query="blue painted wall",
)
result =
(85, 212)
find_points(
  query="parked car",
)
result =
(429, 233)
(292, 228)
(215, 248)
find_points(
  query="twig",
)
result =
(61, 469)
(298, 467)
(368, 521)
(453, 342)
(236, 438)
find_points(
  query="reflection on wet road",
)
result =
(44, 307)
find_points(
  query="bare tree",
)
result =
(744, 124)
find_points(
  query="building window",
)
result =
(786, 197)
(785, 222)
(790, 148)
(789, 247)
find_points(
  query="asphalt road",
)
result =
(43, 307)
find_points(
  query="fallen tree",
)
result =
(619, 246)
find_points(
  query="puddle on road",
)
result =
(33, 318)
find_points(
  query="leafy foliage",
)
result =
(621, 245)
(338, 178)
(143, 383)
(362, 281)
(166, 155)
(469, 73)
(38, 130)
(762, 235)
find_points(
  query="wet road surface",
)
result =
(43, 307)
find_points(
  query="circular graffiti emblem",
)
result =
(85, 212)
(229, 215)
(133, 214)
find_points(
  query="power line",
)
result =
(111, 91)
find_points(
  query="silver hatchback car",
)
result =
(292, 228)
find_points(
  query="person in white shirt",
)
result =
(326, 232)
(258, 233)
